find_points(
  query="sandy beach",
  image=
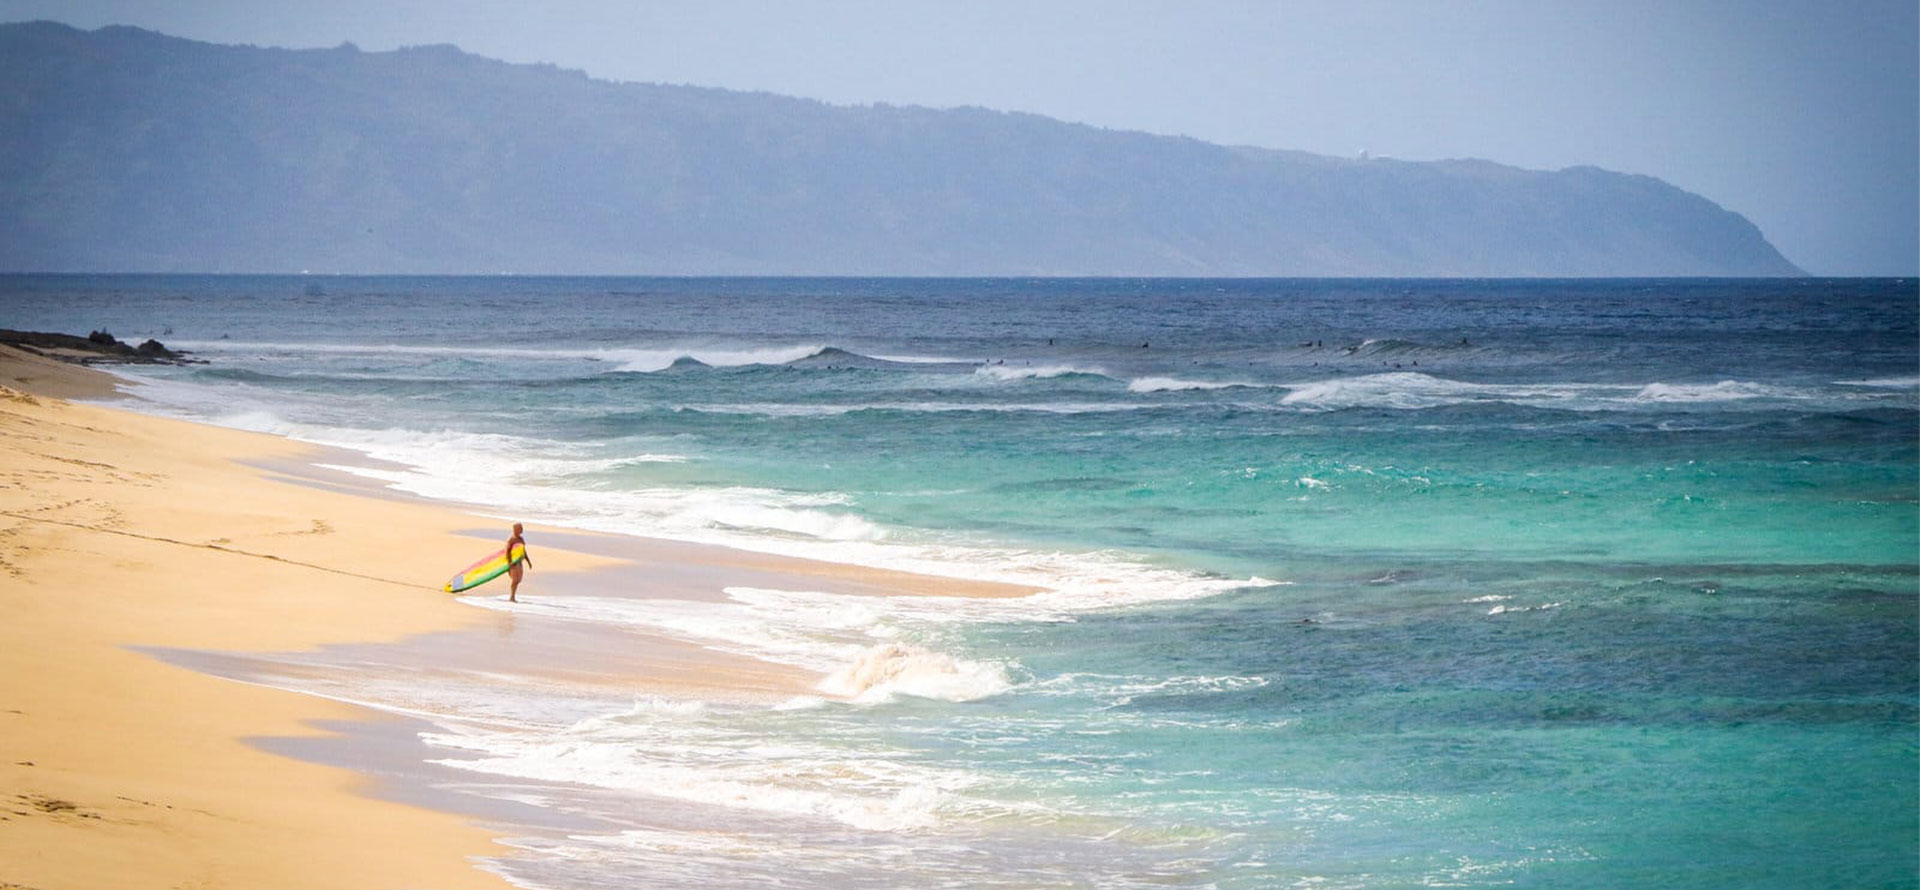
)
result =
(120, 530)
(123, 535)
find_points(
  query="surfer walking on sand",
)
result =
(518, 569)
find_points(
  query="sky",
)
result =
(1802, 115)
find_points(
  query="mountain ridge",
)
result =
(128, 150)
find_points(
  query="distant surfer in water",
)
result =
(518, 569)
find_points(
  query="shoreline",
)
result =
(154, 559)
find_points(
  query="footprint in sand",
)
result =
(52, 806)
(319, 527)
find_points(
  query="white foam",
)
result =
(1174, 384)
(891, 669)
(1123, 689)
(1883, 383)
(291, 348)
(720, 626)
(831, 634)
(771, 409)
(497, 471)
(525, 479)
(238, 405)
(1031, 372)
(465, 458)
(1724, 391)
(1412, 390)
(456, 457)
(517, 479)
(724, 756)
(259, 421)
(652, 707)
(660, 358)
(1505, 609)
(859, 789)
(505, 476)
(810, 523)
(639, 359)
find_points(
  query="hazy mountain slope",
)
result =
(122, 149)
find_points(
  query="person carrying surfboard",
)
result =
(500, 562)
(518, 568)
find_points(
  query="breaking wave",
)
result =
(1035, 372)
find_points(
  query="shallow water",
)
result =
(1350, 584)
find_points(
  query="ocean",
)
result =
(1347, 584)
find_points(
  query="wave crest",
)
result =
(1175, 384)
(1883, 383)
(1724, 391)
(647, 361)
(1035, 372)
(1413, 390)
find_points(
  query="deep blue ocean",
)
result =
(1350, 584)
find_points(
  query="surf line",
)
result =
(233, 550)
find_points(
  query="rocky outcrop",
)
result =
(97, 347)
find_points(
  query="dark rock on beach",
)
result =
(97, 347)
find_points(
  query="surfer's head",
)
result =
(516, 528)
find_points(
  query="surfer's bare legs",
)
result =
(513, 590)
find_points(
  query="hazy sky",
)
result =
(1800, 114)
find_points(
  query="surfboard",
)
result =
(492, 566)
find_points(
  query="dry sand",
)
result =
(121, 530)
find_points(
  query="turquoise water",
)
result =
(1353, 584)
